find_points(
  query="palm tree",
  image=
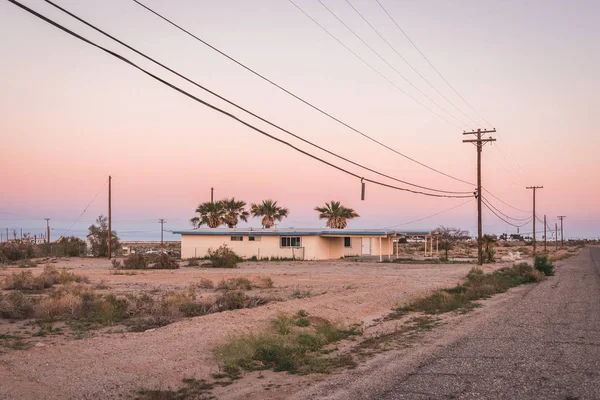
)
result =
(234, 211)
(269, 211)
(336, 214)
(211, 214)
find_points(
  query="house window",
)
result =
(347, 242)
(237, 238)
(291, 241)
(254, 238)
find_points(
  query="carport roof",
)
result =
(300, 232)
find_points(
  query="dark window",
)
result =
(291, 241)
(254, 238)
(237, 238)
(347, 242)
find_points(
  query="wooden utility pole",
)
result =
(47, 231)
(109, 217)
(479, 143)
(556, 236)
(162, 221)
(562, 241)
(545, 249)
(212, 190)
(534, 188)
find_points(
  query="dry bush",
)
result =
(265, 282)
(136, 261)
(240, 283)
(192, 262)
(223, 257)
(205, 284)
(236, 300)
(15, 306)
(52, 308)
(164, 261)
(21, 281)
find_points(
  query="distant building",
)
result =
(301, 244)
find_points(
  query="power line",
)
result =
(430, 216)
(373, 68)
(502, 201)
(408, 63)
(388, 63)
(215, 108)
(430, 64)
(244, 109)
(507, 216)
(296, 96)
(499, 217)
(86, 207)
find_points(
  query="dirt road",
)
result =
(535, 342)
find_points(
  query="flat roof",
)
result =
(299, 232)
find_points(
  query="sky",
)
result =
(72, 115)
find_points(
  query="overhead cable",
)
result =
(244, 109)
(431, 64)
(306, 102)
(215, 108)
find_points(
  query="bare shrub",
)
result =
(235, 300)
(223, 257)
(193, 263)
(240, 283)
(136, 261)
(164, 261)
(265, 282)
(52, 308)
(205, 284)
(15, 306)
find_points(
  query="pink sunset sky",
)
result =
(72, 115)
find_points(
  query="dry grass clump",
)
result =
(205, 284)
(25, 280)
(235, 300)
(143, 261)
(15, 305)
(240, 283)
(222, 257)
(287, 346)
(265, 282)
(478, 286)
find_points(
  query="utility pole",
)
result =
(109, 216)
(556, 236)
(479, 143)
(562, 241)
(534, 189)
(162, 221)
(212, 190)
(545, 249)
(47, 231)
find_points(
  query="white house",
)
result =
(301, 244)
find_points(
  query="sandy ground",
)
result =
(118, 364)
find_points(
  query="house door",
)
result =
(366, 246)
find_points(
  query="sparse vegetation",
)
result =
(284, 347)
(25, 280)
(144, 261)
(192, 389)
(265, 282)
(542, 264)
(223, 257)
(478, 286)
(240, 283)
(205, 284)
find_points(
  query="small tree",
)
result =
(98, 238)
(270, 212)
(73, 246)
(449, 237)
(489, 242)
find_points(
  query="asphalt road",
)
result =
(544, 345)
